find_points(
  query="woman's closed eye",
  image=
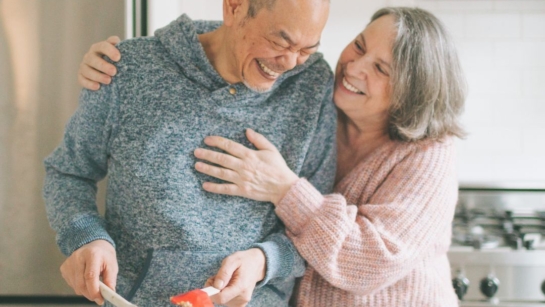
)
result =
(382, 70)
(359, 47)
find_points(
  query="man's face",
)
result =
(275, 41)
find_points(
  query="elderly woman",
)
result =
(382, 238)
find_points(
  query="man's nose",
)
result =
(291, 59)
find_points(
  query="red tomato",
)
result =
(193, 298)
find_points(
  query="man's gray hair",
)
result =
(256, 5)
(428, 85)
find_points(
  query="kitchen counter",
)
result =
(44, 300)
(48, 305)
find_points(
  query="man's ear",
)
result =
(233, 10)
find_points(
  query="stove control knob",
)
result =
(477, 243)
(543, 287)
(489, 286)
(460, 284)
(508, 222)
(517, 243)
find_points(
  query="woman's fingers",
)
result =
(96, 62)
(94, 70)
(227, 171)
(222, 188)
(218, 158)
(237, 149)
(93, 75)
(231, 147)
(218, 172)
(261, 175)
(106, 48)
(260, 142)
(113, 40)
(86, 83)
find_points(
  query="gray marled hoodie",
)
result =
(141, 130)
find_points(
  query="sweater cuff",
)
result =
(81, 232)
(299, 205)
(278, 258)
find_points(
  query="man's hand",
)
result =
(84, 267)
(237, 277)
(94, 70)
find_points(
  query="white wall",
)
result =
(502, 49)
(162, 12)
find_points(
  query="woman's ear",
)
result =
(232, 10)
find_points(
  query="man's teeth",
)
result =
(350, 87)
(268, 70)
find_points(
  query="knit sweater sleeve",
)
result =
(283, 260)
(368, 245)
(75, 167)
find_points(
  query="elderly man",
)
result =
(258, 69)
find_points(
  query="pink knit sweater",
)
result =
(382, 240)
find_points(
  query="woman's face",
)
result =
(362, 77)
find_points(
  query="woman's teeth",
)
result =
(350, 87)
(268, 71)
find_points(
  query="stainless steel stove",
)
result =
(497, 253)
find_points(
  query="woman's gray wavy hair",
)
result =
(428, 85)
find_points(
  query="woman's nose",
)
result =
(357, 67)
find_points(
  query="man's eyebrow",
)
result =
(288, 39)
(365, 47)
